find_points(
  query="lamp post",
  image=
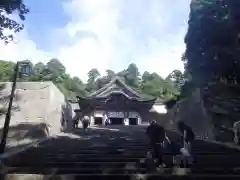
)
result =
(25, 68)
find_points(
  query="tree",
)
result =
(146, 76)
(39, 67)
(6, 70)
(177, 78)
(56, 70)
(100, 82)
(110, 74)
(132, 75)
(7, 7)
(55, 66)
(75, 85)
(91, 85)
(132, 70)
(212, 41)
(156, 86)
(150, 83)
(93, 74)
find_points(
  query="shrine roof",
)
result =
(118, 86)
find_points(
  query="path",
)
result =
(113, 154)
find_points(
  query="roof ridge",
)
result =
(127, 87)
(102, 88)
(139, 91)
(115, 79)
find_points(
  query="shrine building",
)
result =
(118, 102)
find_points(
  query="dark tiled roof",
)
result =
(117, 85)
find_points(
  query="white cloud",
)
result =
(110, 34)
(22, 48)
(164, 57)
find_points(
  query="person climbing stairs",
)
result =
(108, 154)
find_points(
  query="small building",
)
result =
(117, 102)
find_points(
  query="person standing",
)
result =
(85, 122)
(156, 134)
(107, 122)
(188, 136)
(75, 120)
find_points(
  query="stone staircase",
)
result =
(114, 154)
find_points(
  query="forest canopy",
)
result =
(148, 83)
(212, 42)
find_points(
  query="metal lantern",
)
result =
(25, 68)
(22, 68)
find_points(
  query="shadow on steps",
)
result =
(77, 152)
(24, 134)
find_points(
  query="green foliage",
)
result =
(53, 71)
(92, 84)
(149, 83)
(155, 85)
(7, 7)
(6, 70)
(177, 77)
(187, 89)
(212, 41)
(131, 75)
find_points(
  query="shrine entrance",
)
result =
(98, 120)
(116, 121)
(116, 118)
(133, 121)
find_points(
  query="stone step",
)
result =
(67, 156)
(96, 158)
(115, 153)
(104, 145)
(150, 176)
(72, 158)
(199, 161)
(82, 144)
(72, 155)
(132, 170)
(106, 151)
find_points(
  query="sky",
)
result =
(103, 34)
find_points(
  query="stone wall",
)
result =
(36, 113)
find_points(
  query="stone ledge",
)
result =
(24, 148)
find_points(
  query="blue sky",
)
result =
(44, 17)
(103, 34)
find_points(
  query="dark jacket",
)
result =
(156, 133)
